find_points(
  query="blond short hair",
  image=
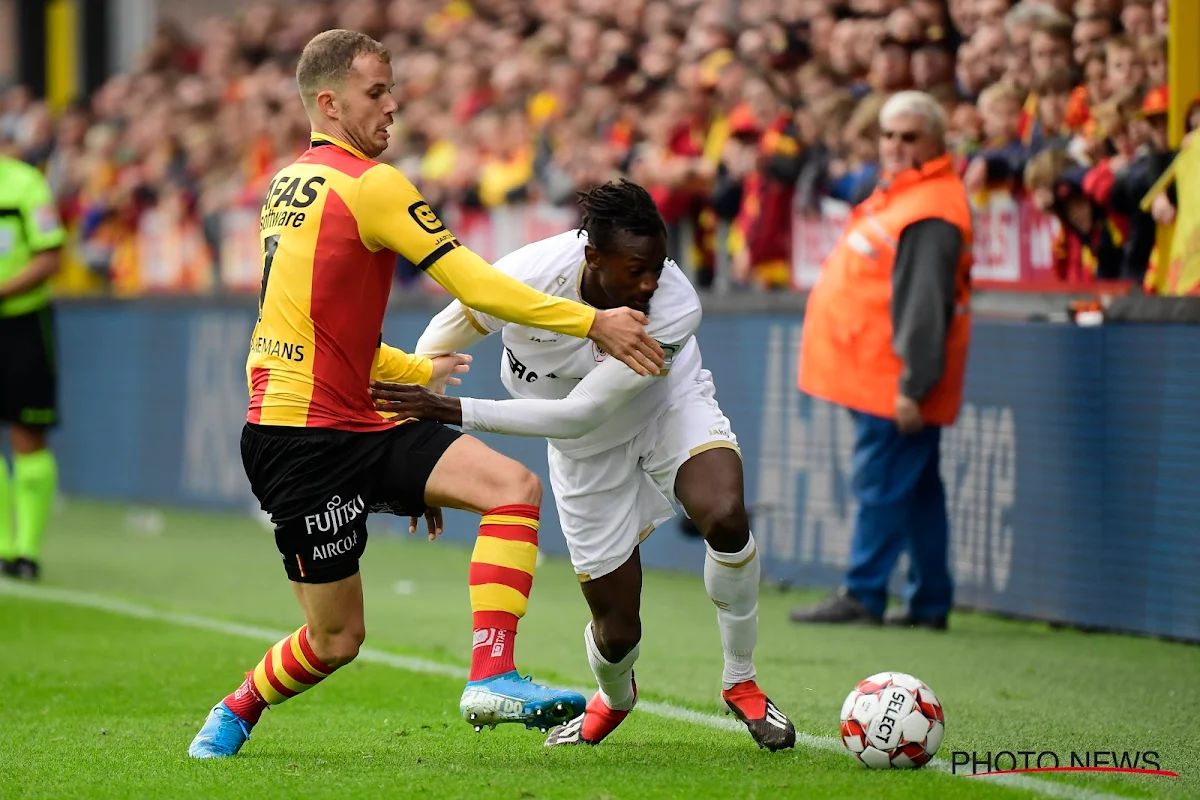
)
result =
(1110, 118)
(1120, 43)
(1059, 27)
(1002, 91)
(1032, 13)
(1152, 45)
(864, 120)
(1043, 170)
(327, 58)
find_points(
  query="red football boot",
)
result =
(590, 727)
(767, 724)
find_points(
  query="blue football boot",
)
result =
(222, 735)
(511, 698)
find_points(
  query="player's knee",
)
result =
(525, 488)
(725, 524)
(616, 636)
(338, 648)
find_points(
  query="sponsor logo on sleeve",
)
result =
(423, 215)
(46, 219)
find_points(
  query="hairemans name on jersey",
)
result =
(275, 347)
(1147, 762)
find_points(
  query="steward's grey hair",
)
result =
(1032, 13)
(918, 104)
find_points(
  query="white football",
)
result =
(892, 720)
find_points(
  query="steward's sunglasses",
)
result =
(908, 137)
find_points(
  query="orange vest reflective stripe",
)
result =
(846, 354)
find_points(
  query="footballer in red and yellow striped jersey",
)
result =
(318, 453)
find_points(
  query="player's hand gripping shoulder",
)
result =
(621, 332)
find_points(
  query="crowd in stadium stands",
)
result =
(737, 112)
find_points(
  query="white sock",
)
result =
(615, 680)
(732, 582)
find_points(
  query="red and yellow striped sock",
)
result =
(502, 566)
(288, 668)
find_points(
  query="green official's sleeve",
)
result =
(39, 215)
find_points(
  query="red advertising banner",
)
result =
(1014, 242)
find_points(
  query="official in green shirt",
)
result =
(31, 236)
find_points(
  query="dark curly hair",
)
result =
(613, 207)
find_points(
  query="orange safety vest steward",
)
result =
(846, 354)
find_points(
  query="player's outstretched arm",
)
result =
(595, 399)
(391, 213)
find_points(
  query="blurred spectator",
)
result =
(1133, 182)
(1086, 247)
(1090, 34)
(1054, 96)
(1050, 45)
(965, 136)
(890, 70)
(853, 177)
(1050, 50)
(1137, 18)
(989, 46)
(761, 242)
(1003, 155)
(1109, 148)
(932, 64)
(1152, 51)
(1091, 92)
(1124, 65)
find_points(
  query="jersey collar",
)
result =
(933, 168)
(579, 280)
(318, 139)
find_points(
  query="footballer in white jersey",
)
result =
(621, 447)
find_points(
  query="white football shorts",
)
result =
(610, 502)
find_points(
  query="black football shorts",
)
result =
(28, 372)
(318, 485)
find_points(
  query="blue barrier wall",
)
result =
(1070, 477)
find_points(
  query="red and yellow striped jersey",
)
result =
(331, 226)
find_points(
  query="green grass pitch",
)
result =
(110, 665)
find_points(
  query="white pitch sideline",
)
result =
(125, 608)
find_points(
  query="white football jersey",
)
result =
(539, 364)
